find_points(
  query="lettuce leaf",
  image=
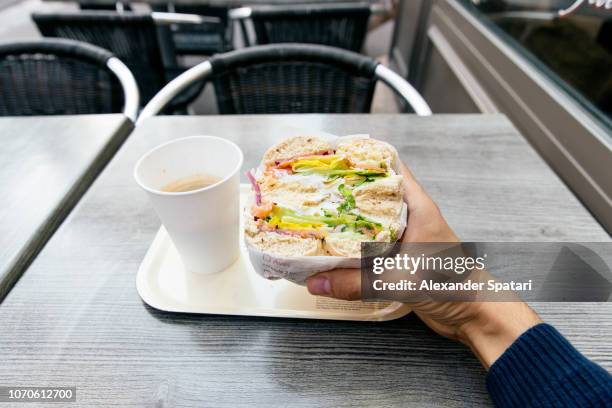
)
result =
(349, 200)
(285, 218)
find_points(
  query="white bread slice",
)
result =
(381, 201)
(286, 192)
(295, 146)
(365, 150)
(285, 245)
(341, 244)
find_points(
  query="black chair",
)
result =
(338, 25)
(290, 78)
(64, 77)
(202, 39)
(133, 37)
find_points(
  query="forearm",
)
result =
(530, 363)
(496, 327)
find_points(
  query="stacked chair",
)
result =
(134, 38)
(300, 58)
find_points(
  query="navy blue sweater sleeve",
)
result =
(541, 368)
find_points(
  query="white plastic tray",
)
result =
(163, 283)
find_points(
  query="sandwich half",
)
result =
(314, 199)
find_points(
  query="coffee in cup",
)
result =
(191, 183)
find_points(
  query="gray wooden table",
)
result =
(75, 317)
(46, 163)
(216, 3)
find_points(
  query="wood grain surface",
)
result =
(75, 317)
(46, 164)
(217, 3)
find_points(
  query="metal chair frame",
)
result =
(131, 94)
(164, 18)
(204, 71)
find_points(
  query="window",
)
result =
(575, 51)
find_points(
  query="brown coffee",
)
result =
(191, 183)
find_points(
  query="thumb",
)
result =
(414, 194)
(339, 283)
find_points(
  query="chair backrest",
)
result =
(132, 37)
(337, 25)
(290, 78)
(62, 77)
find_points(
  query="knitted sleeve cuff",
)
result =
(541, 368)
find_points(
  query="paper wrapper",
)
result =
(298, 269)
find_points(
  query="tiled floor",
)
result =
(15, 24)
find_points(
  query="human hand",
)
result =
(488, 328)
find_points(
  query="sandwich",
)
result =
(312, 198)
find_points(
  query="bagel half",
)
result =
(295, 147)
(316, 200)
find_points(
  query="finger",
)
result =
(414, 194)
(406, 172)
(339, 283)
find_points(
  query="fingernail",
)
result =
(319, 286)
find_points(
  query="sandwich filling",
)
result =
(314, 197)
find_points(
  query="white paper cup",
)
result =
(203, 223)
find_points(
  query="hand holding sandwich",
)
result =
(314, 198)
(488, 328)
(536, 366)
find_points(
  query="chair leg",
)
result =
(245, 34)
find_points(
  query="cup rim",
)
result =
(186, 193)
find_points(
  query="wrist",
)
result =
(497, 325)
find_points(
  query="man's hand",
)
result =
(488, 328)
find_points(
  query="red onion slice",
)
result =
(255, 187)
